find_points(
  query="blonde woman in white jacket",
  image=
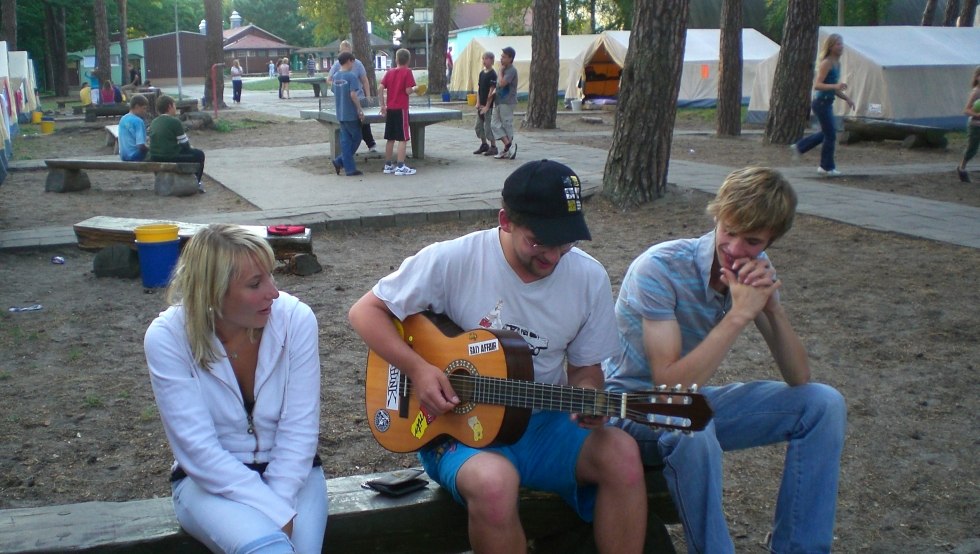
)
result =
(235, 369)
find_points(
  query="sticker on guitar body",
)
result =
(483, 347)
(421, 422)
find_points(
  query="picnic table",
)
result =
(418, 119)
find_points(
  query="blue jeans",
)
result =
(350, 139)
(811, 418)
(823, 108)
(224, 525)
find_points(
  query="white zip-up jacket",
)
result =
(205, 419)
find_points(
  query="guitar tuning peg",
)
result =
(693, 388)
(661, 387)
(678, 388)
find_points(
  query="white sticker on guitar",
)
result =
(391, 395)
(484, 347)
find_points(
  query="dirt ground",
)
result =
(889, 320)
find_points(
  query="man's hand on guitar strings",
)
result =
(434, 391)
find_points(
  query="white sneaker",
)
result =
(389, 169)
(373, 149)
(404, 170)
(825, 173)
(795, 152)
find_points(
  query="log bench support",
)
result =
(857, 129)
(170, 179)
(428, 521)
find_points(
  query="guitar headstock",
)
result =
(669, 409)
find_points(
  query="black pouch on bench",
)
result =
(397, 483)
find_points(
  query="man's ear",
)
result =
(505, 223)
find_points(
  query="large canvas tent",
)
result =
(598, 68)
(467, 65)
(918, 75)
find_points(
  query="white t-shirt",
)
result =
(569, 313)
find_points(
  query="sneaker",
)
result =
(491, 152)
(200, 188)
(404, 170)
(513, 151)
(795, 152)
(964, 176)
(373, 148)
(336, 166)
(828, 172)
(504, 154)
(356, 173)
(483, 148)
(389, 169)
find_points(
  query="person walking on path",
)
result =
(972, 127)
(827, 86)
(132, 131)
(681, 307)
(349, 113)
(395, 87)
(169, 142)
(272, 68)
(504, 99)
(367, 97)
(284, 78)
(236, 81)
(526, 275)
(310, 66)
(484, 107)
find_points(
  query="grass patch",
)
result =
(227, 126)
(271, 84)
(5, 376)
(149, 413)
(94, 401)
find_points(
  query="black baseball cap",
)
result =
(549, 195)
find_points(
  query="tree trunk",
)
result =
(967, 13)
(636, 168)
(949, 18)
(8, 10)
(789, 106)
(730, 70)
(361, 42)
(215, 55)
(929, 13)
(440, 45)
(103, 67)
(55, 36)
(123, 41)
(542, 106)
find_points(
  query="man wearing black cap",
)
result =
(525, 275)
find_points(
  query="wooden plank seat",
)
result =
(105, 110)
(186, 105)
(112, 137)
(427, 521)
(95, 233)
(316, 82)
(857, 129)
(171, 179)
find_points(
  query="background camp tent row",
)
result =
(906, 74)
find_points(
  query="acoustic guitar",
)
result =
(492, 372)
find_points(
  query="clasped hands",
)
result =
(753, 285)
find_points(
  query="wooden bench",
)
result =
(186, 105)
(857, 129)
(107, 110)
(359, 520)
(112, 137)
(316, 82)
(95, 233)
(171, 179)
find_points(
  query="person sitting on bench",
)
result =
(132, 131)
(169, 142)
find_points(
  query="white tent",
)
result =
(21, 72)
(600, 65)
(467, 65)
(918, 75)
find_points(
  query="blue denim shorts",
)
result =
(545, 458)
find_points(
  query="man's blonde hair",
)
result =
(755, 199)
(212, 258)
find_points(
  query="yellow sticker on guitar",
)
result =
(419, 426)
(477, 428)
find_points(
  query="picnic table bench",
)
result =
(418, 119)
(427, 521)
(96, 233)
(857, 129)
(316, 82)
(92, 112)
(170, 178)
(112, 137)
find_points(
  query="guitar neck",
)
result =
(537, 396)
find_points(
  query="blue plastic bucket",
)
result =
(157, 261)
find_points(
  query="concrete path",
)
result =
(453, 182)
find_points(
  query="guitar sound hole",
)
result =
(460, 373)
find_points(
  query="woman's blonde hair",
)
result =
(755, 199)
(976, 77)
(828, 44)
(211, 259)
